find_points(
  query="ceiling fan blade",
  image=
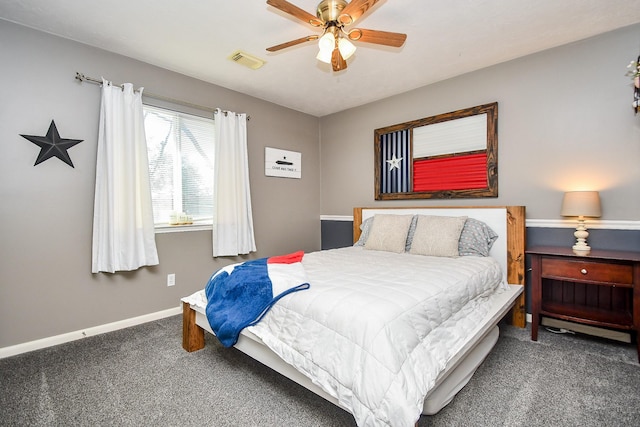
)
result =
(291, 43)
(337, 61)
(355, 10)
(378, 37)
(295, 11)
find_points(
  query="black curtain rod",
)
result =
(82, 78)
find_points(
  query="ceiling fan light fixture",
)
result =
(346, 48)
(335, 41)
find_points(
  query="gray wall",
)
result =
(565, 123)
(46, 285)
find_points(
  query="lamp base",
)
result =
(581, 234)
(581, 250)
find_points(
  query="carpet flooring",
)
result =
(140, 376)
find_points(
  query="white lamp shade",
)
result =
(346, 48)
(324, 56)
(327, 43)
(581, 204)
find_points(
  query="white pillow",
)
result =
(437, 235)
(388, 233)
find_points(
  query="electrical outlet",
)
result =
(171, 279)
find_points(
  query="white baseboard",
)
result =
(84, 333)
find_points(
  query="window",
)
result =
(180, 149)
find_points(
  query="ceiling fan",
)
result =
(333, 17)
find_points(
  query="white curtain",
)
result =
(232, 217)
(123, 228)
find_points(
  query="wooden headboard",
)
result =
(510, 252)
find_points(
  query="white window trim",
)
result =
(166, 228)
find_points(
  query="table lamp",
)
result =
(581, 204)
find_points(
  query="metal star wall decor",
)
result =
(52, 145)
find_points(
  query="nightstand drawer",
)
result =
(588, 271)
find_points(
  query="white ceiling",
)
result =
(445, 38)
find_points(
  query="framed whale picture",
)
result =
(282, 163)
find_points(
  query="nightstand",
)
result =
(599, 289)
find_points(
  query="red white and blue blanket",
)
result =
(240, 295)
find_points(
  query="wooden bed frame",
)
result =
(460, 368)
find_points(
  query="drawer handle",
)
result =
(583, 271)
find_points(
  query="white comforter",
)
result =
(376, 328)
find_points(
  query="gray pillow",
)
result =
(412, 231)
(476, 238)
(365, 227)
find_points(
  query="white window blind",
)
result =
(180, 148)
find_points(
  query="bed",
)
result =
(452, 365)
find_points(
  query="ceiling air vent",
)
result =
(247, 60)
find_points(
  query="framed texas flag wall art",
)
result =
(282, 163)
(451, 155)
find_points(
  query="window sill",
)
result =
(166, 228)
